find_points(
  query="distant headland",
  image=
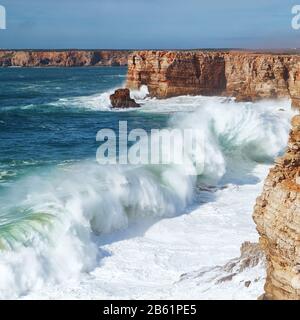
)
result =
(63, 58)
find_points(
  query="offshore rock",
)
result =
(248, 76)
(121, 99)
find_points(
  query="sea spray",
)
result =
(84, 200)
(97, 102)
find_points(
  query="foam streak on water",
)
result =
(66, 223)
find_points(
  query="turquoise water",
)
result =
(46, 117)
(57, 203)
(48, 121)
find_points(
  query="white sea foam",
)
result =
(140, 94)
(101, 102)
(60, 217)
(98, 102)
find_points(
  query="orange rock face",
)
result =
(245, 75)
(171, 73)
(277, 216)
(121, 99)
(69, 58)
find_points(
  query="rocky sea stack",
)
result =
(121, 99)
(277, 216)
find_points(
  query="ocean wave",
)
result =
(101, 102)
(6, 174)
(98, 102)
(49, 223)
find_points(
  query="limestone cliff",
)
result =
(173, 73)
(245, 75)
(67, 58)
(277, 215)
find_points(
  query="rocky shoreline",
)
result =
(63, 58)
(277, 216)
(248, 76)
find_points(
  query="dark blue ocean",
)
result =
(70, 227)
(46, 116)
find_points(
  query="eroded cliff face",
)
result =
(69, 58)
(171, 73)
(277, 216)
(245, 75)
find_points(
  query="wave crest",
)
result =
(68, 207)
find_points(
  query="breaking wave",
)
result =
(98, 102)
(50, 223)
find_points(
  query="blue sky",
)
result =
(149, 24)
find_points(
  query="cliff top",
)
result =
(295, 51)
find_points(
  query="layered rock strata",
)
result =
(67, 58)
(247, 76)
(277, 216)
